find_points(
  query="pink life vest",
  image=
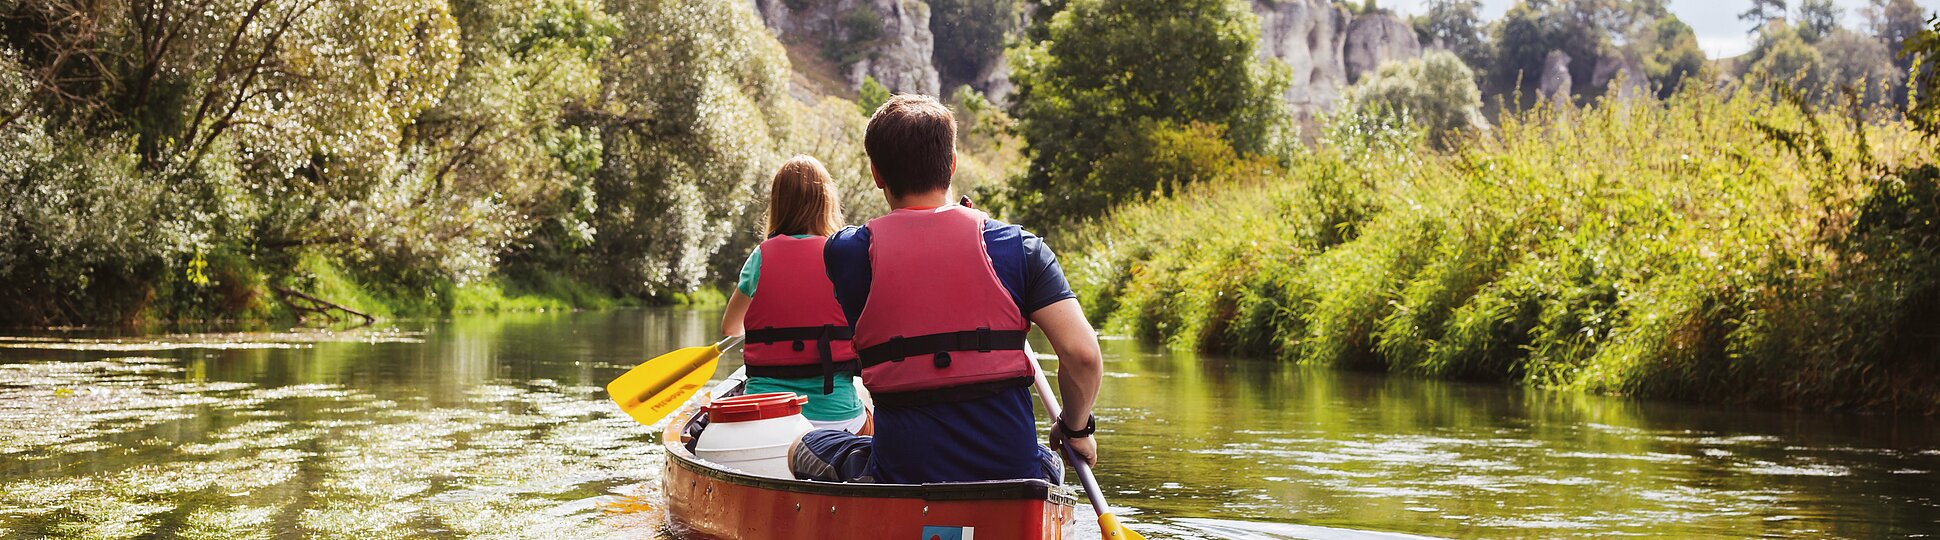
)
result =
(794, 304)
(938, 325)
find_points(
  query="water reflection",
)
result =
(1203, 437)
(497, 426)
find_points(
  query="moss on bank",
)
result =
(1705, 248)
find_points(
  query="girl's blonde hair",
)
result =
(803, 199)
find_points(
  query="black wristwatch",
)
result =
(1091, 426)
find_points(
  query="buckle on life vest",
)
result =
(983, 339)
(941, 359)
(895, 344)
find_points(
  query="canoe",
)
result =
(708, 502)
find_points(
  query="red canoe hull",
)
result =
(709, 503)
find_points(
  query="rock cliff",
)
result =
(1377, 38)
(889, 40)
(1555, 82)
(1307, 35)
(1636, 81)
(1327, 48)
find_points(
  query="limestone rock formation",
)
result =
(1377, 38)
(1327, 48)
(995, 83)
(1555, 83)
(891, 37)
(1636, 81)
(1307, 35)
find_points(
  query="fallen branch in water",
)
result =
(316, 305)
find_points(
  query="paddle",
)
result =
(1107, 523)
(655, 388)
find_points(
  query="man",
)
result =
(941, 297)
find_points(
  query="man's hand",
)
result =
(1086, 448)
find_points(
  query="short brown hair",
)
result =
(803, 199)
(912, 144)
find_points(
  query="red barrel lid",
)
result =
(754, 407)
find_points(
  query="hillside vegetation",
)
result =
(1744, 248)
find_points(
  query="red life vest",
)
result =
(938, 325)
(794, 304)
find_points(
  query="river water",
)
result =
(497, 425)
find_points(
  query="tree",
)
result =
(1435, 91)
(1782, 59)
(969, 36)
(694, 119)
(1763, 12)
(1583, 29)
(502, 131)
(1860, 64)
(871, 96)
(1674, 56)
(1924, 111)
(1817, 19)
(1111, 68)
(1453, 25)
(1894, 22)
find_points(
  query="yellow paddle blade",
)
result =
(1108, 524)
(656, 388)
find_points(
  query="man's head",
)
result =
(912, 145)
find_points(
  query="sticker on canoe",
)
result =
(932, 532)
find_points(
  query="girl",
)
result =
(797, 336)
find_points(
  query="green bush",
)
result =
(1735, 249)
(1436, 91)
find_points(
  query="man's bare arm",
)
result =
(1081, 367)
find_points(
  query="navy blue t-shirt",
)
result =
(991, 438)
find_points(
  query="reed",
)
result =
(1712, 247)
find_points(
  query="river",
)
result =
(497, 425)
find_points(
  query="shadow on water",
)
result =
(497, 425)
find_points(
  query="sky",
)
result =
(1719, 31)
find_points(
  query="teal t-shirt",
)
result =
(842, 404)
(751, 270)
(839, 405)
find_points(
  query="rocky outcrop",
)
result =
(889, 40)
(1377, 38)
(1308, 36)
(1327, 48)
(1636, 81)
(1555, 83)
(995, 83)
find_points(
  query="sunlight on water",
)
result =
(190, 459)
(499, 427)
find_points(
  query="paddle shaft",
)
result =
(1050, 401)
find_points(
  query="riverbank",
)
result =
(1708, 248)
(232, 292)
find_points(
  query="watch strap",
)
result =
(1091, 426)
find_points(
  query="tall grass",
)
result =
(1733, 249)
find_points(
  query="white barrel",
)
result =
(752, 433)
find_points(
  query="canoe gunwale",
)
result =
(995, 490)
